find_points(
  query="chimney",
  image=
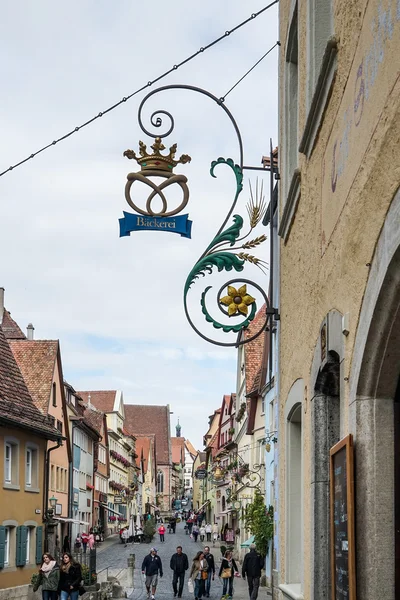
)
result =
(1, 304)
(88, 401)
(29, 331)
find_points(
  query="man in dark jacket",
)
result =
(252, 565)
(211, 569)
(179, 564)
(151, 566)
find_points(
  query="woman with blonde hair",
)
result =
(48, 578)
(198, 574)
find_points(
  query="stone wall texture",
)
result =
(348, 183)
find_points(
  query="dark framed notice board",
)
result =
(342, 520)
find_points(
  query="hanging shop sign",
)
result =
(342, 520)
(201, 474)
(117, 499)
(156, 215)
(230, 250)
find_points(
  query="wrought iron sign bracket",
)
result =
(229, 250)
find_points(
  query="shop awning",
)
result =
(202, 506)
(247, 543)
(111, 509)
(77, 521)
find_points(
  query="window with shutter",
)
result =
(2, 546)
(20, 556)
(39, 545)
(27, 546)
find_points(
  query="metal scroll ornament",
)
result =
(228, 251)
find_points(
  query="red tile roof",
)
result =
(190, 448)
(16, 404)
(254, 352)
(103, 400)
(94, 418)
(178, 450)
(143, 445)
(36, 360)
(150, 419)
(10, 328)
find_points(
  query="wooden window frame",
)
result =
(345, 444)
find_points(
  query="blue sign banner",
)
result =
(131, 222)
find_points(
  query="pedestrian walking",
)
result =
(125, 536)
(48, 578)
(227, 572)
(251, 568)
(161, 531)
(91, 540)
(70, 577)
(189, 524)
(215, 533)
(85, 539)
(195, 532)
(78, 542)
(211, 569)
(179, 564)
(198, 574)
(208, 531)
(202, 531)
(151, 567)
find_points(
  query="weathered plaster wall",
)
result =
(346, 191)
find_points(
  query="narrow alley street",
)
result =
(112, 560)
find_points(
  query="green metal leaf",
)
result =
(221, 260)
(229, 235)
(235, 168)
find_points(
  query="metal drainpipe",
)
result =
(46, 486)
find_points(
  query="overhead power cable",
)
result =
(249, 71)
(143, 87)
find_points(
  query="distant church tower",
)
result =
(178, 429)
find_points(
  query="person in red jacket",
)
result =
(161, 531)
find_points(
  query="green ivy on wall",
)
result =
(259, 521)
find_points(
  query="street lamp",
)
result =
(53, 502)
(50, 525)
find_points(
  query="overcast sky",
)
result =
(115, 303)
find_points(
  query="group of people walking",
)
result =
(202, 572)
(63, 580)
(202, 530)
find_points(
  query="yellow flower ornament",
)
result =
(237, 301)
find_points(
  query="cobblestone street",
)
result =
(112, 560)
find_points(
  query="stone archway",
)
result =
(373, 418)
(326, 415)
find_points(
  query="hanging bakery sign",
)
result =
(156, 215)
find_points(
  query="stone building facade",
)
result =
(339, 365)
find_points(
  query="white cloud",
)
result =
(63, 265)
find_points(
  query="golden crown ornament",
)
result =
(157, 165)
(157, 161)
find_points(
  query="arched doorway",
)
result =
(374, 420)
